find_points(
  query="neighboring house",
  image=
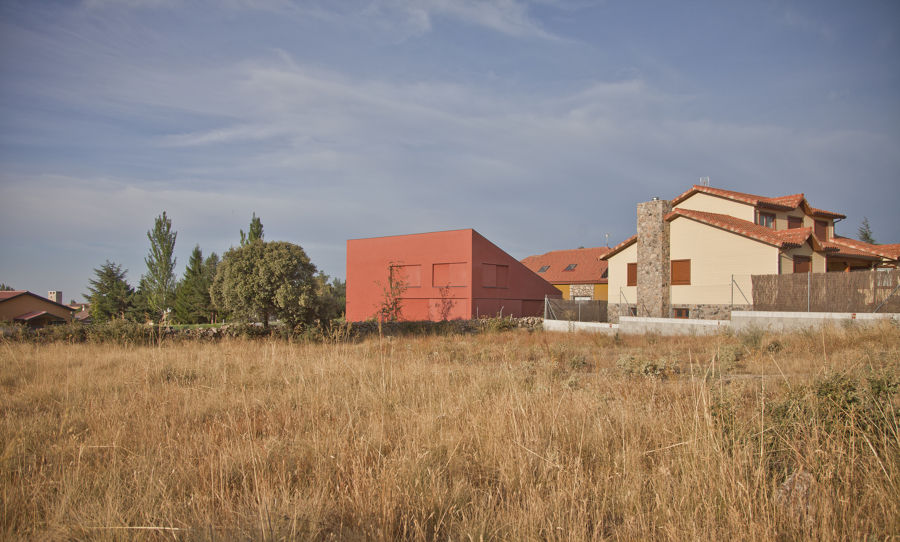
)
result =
(693, 257)
(82, 312)
(440, 276)
(31, 309)
(580, 274)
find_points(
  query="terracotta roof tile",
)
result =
(886, 251)
(620, 247)
(779, 238)
(785, 203)
(589, 268)
(9, 294)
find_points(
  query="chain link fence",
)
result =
(575, 311)
(857, 291)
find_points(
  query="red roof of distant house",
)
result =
(861, 247)
(589, 267)
(784, 203)
(9, 294)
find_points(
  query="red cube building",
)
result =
(437, 276)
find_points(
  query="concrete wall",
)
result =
(715, 256)
(786, 321)
(714, 204)
(572, 327)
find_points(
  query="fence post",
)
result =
(808, 286)
(545, 306)
(732, 292)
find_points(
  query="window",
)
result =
(794, 222)
(409, 275)
(802, 264)
(543, 269)
(681, 272)
(494, 276)
(765, 219)
(571, 267)
(681, 313)
(632, 275)
(822, 229)
(449, 274)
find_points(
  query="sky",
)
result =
(539, 123)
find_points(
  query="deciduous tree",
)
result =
(264, 280)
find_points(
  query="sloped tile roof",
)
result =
(862, 248)
(783, 203)
(9, 294)
(620, 247)
(779, 238)
(589, 268)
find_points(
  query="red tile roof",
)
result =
(9, 294)
(589, 268)
(854, 246)
(620, 247)
(784, 203)
(779, 238)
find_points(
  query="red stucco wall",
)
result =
(480, 280)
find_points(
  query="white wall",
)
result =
(618, 276)
(715, 256)
(714, 204)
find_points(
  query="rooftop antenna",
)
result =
(704, 181)
(607, 240)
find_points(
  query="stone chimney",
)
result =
(653, 263)
(55, 296)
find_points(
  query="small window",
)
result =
(794, 222)
(571, 267)
(681, 272)
(822, 229)
(766, 219)
(632, 274)
(802, 264)
(681, 313)
(543, 269)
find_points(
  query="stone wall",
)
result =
(710, 311)
(615, 310)
(653, 265)
(581, 290)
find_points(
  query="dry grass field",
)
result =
(498, 436)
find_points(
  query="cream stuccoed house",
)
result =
(693, 256)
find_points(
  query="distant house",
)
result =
(82, 312)
(442, 275)
(693, 256)
(22, 306)
(579, 274)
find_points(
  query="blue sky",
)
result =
(539, 123)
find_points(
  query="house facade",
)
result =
(693, 256)
(579, 274)
(22, 306)
(436, 276)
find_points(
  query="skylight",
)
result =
(543, 268)
(571, 267)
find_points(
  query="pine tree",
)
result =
(192, 301)
(210, 265)
(255, 232)
(158, 284)
(864, 233)
(110, 295)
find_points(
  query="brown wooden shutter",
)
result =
(681, 272)
(802, 264)
(822, 230)
(794, 222)
(632, 274)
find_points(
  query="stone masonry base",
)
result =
(701, 311)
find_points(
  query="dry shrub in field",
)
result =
(504, 436)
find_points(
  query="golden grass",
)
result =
(506, 436)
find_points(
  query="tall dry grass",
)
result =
(505, 436)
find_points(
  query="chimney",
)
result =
(653, 261)
(55, 296)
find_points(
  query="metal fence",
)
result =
(575, 311)
(858, 291)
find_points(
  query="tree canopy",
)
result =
(158, 284)
(254, 233)
(864, 233)
(192, 301)
(110, 294)
(263, 280)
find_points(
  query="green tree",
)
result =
(264, 280)
(110, 294)
(192, 302)
(158, 284)
(864, 233)
(210, 265)
(255, 232)
(5, 288)
(332, 298)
